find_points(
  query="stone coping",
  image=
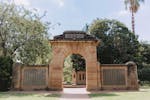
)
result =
(34, 65)
(23, 65)
(73, 41)
(112, 65)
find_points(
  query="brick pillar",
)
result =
(91, 69)
(55, 77)
(132, 76)
(56, 72)
(16, 76)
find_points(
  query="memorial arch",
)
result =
(98, 76)
(74, 42)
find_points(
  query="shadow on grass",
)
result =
(6, 95)
(102, 95)
(145, 87)
(52, 95)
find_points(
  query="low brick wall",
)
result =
(113, 76)
(109, 76)
(119, 76)
(33, 77)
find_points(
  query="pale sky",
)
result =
(74, 14)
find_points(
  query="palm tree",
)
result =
(133, 6)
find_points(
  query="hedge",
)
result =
(5, 73)
(144, 74)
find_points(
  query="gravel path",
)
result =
(74, 94)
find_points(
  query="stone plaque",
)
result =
(74, 36)
(34, 77)
(114, 77)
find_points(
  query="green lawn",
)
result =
(28, 96)
(143, 94)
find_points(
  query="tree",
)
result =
(118, 44)
(144, 55)
(78, 62)
(133, 6)
(144, 63)
(145, 52)
(23, 36)
(67, 70)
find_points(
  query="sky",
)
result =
(74, 14)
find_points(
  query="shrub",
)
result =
(144, 74)
(5, 73)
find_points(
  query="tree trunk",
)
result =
(133, 23)
(4, 50)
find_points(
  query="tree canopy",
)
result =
(23, 36)
(118, 44)
(78, 62)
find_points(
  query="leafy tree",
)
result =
(144, 55)
(23, 36)
(144, 63)
(78, 62)
(67, 70)
(133, 6)
(144, 74)
(118, 44)
(145, 52)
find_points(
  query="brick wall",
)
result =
(33, 77)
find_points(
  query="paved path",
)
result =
(74, 94)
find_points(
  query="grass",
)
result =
(143, 94)
(28, 96)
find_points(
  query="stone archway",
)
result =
(98, 76)
(74, 42)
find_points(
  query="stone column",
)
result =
(91, 69)
(16, 76)
(132, 76)
(55, 73)
(56, 68)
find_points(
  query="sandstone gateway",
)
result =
(98, 76)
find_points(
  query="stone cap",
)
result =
(24, 65)
(131, 63)
(112, 65)
(75, 36)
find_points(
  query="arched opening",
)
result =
(79, 43)
(74, 71)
